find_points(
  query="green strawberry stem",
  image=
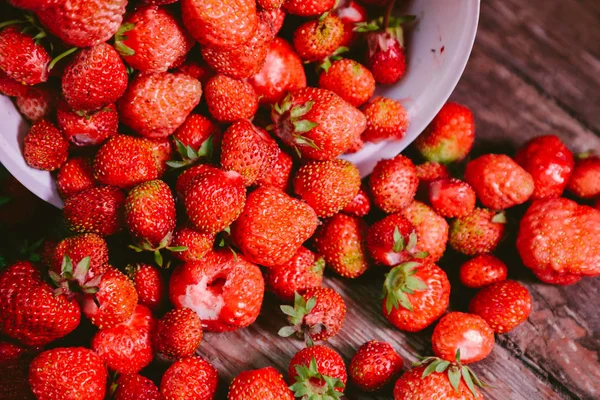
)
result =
(312, 385)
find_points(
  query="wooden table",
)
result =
(535, 69)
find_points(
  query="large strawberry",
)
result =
(374, 365)
(477, 232)
(265, 384)
(452, 198)
(134, 386)
(87, 128)
(304, 270)
(22, 58)
(317, 372)
(95, 210)
(45, 147)
(394, 183)
(79, 247)
(230, 99)
(189, 378)
(350, 80)
(178, 333)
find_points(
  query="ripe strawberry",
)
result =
(11, 87)
(79, 247)
(96, 210)
(45, 147)
(229, 99)
(282, 71)
(478, 232)
(151, 39)
(392, 241)
(197, 244)
(317, 39)
(357, 145)
(503, 305)
(386, 120)
(75, 371)
(37, 102)
(184, 179)
(178, 333)
(212, 287)
(350, 80)
(549, 162)
(317, 372)
(31, 312)
(14, 363)
(196, 69)
(394, 183)
(585, 181)
(351, 13)
(430, 171)
(482, 270)
(415, 295)
(149, 284)
(189, 378)
(155, 105)
(87, 128)
(308, 8)
(22, 58)
(273, 226)
(374, 365)
(279, 173)
(275, 18)
(303, 271)
(465, 334)
(127, 347)
(342, 241)
(317, 123)
(162, 151)
(265, 384)
(134, 386)
(194, 133)
(449, 137)
(125, 161)
(94, 78)
(318, 314)
(220, 25)
(360, 205)
(451, 197)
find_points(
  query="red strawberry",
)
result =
(342, 241)
(308, 8)
(265, 384)
(386, 120)
(374, 365)
(194, 134)
(189, 378)
(318, 314)
(478, 232)
(482, 270)
(226, 291)
(585, 181)
(37, 102)
(178, 333)
(317, 372)
(449, 137)
(465, 334)
(503, 305)
(94, 78)
(31, 312)
(303, 271)
(96, 210)
(184, 179)
(155, 105)
(279, 173)
(162, 151)
(269, 4)
(127, 347)
(125, 161)
(22, 58)
(394, 183)
(197, 244)
(11, 87)
(451, 197)
(392, 241)
(276, 18)
(134, 386)
(229, 99)
(79, 247)
(415, 295)
(351, 12)
(45, 147)
(317, 39)
(319, 124)
(357, 145)
(149, 284)
(386, 56)
(152, 39)
(197, 70)
(75, 371)
(87, 128)
(360, 205)
(430, 171)
(14, 363)
(549, 162)
(273, 226)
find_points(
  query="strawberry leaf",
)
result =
(454, 376)
(441, 367)
(466, 375)
(304, 126)
(398, 241)
(287, 331)
(61, 56)
(299, 111)
(430, 368)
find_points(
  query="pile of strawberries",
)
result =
(213, 174)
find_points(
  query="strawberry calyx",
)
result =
(164, 244)
(399, 283)
(296, 317)
(499, 218)
(327, 61)
(290, 124)
(310, 384)
(190, 156)
(74, 280)
(400, 244)
(120, 37)
(319, 266)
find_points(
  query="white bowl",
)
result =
(438, 48)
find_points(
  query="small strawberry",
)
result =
(134, 386)
(465, 334)
(394, 183)
(96, 210)
(482, 270)
(415, 295)
(195, 139)
(265, 383)
(279, 173)
(45, 147)
(230, 99)
(350, 80)
(342, 241)
(451, 197)
(351, 12)
(178, 333)
(478, 232)
(189, 378)
(11, 87)
(308, 8)
(503, 305)
(87, 128)
(360, 205)
(449, 137)
(374, 365)
(317, 372)
(162, 151)
(585, 181)
(22, 58)
(430, 171)
(79, 247)
(303, 271)
(37, 102)
(196, 244)
(319, 38)
(386, 120)
(393, 240)
(149, 284)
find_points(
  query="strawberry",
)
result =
(45, 147)
(392, 241)
(317, 123)
(196, 244)
(317, 39)
(22, 58)
(275, 18)
(430, 171)
(451, 197)
(503, 305)
(350, 80)
(415, 295)
(178, 333)
(557, 239)
(37, 102)
(386, 120)
(96, 210)
(229, 99)
(149, 284)
(127, 347)
(318, 314)
(151, 39)
(79, 247)
(585, 181)
(465, 334)
(269, 4)
(125, 161)
(134, 386)
(357, 145)
(478, 232)
(184, 179)
(87, 128)
(189, 378)
(279, 173)
(75, 371)
(360, 205)
(318, 372)
(482, 270)
(549, 162)
(273, 226)
(308, 8)
(94, 78)
(282, 72)
(351, 12)
(162, 151)
(14, 363)
(303, 271)
(449, 137)
(499, 182)
(194, 133)
(212, 287)
(11, 87)
(265, 384)
(196, 69)
(374, 365)
(393, 183)
(342, 241)
(31, 312)
(220, 25)
(155, 105)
